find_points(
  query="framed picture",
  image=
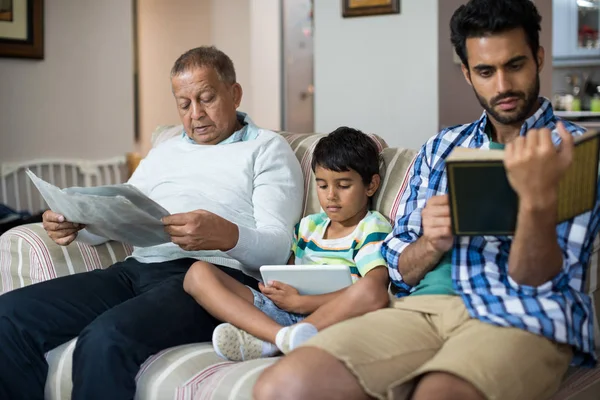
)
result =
(22, 28)
(359, 8)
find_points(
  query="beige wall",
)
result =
(379, 73)
(265, 63)
(231, 33)
(240, 28)
(78, 101)
(166, 29)
(457, 102)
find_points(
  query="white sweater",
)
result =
(256, 184)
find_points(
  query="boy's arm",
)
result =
(309, 304)
(368, 260)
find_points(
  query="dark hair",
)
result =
(479, 18)
(345, 149)
(206, 56)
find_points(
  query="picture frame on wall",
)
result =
(22, 28)
(360, 8)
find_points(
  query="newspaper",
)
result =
(116, 212)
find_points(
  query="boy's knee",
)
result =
(195, 276)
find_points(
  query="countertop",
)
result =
(578, 114)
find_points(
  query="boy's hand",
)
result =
(284, 296)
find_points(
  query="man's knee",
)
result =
(292, 372)
(14, 310)
(445, 386)
(101, 337)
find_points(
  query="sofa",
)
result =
(194, 371)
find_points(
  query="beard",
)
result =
(517, 115)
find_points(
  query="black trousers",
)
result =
(122, 315)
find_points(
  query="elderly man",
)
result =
(234, 192)
(477, 317)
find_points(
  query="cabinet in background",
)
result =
(575, 25)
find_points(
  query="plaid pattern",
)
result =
(559, 309)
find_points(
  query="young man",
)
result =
(234, 192)
(498, 317)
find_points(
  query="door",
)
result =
(298, 89)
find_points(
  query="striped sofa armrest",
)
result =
(28, 255)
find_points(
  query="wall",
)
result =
(379, 73)
(166, 29)
(78, 101)
(240, 28)
(265, 64)
(230, 32)
(457, 102)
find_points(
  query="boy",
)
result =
(261, 324)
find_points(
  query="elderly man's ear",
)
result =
(237, 93)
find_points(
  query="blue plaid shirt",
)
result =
(558, 309)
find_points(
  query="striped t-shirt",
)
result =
(361, 250)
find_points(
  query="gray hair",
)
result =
(206, 56)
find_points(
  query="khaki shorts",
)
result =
(387, 349)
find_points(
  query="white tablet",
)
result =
(309, 279)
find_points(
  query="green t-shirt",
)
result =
(439, 279)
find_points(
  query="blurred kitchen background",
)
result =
(576, 60)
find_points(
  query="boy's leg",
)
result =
(370, 352)
(228, 300)
(368, 294)
(38, 318)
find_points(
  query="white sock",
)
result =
(301, 333)
(280, 336)
(269, 349)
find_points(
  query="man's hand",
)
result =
(284, 296)
(201, 230)
(437, 227)
(534, 167)
(59, 230)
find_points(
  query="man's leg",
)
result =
(112, 348)
(354, 359)
(38, 318)
(293, 378)
(366, 295)
(483, 361)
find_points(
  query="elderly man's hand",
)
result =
(201, 230)
(59, 230)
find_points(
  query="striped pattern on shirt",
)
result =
(361, 250)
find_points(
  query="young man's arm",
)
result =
(534, 170)
(422, 232)
(420, 257)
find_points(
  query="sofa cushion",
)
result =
(27, 255)
(182, 372)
